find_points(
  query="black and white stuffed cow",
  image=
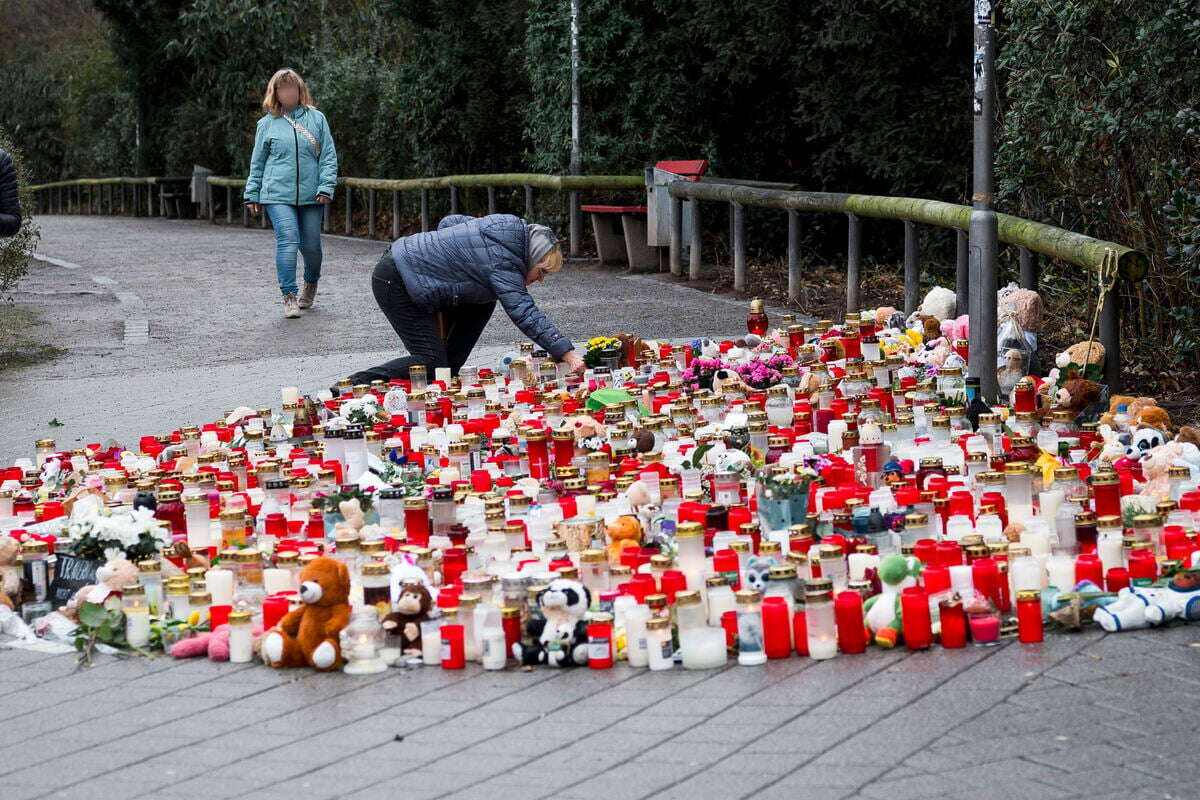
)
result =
(557, 635)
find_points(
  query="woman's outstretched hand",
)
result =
(574, 362)
(253, 208)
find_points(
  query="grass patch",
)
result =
(18, 346)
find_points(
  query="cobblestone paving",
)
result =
(1087, 716)
(1080, 716)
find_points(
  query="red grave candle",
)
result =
(416, 521)
(453, 654)
(985, 574)
(954, 624)
(1118, 579)
(848, 614)
(600, 649)
(539, 455)
(800, 632)
(1029, 616)
(914, 612)
(1088, 567)
(777, 639)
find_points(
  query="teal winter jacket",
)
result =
(283, 167)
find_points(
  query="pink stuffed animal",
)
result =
(215, 644)
(957, 328)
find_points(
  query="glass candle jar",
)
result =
(820, 620)
(199, 604)
(150, 577)
(441, 511)
(916, 619)
(593, 568)
(177, 599)
(600, 641)
(137, 626)
(659, 648)
(241, 638)
(727, 488)
(196, 511)
(36, 569)
(637, 643)
(1029, 616)
(598, 467)
(953, 622)
(376, 587)
(833, 565)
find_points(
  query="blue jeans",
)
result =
(296, 228)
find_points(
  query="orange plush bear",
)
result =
(623, 532)
(310, 633)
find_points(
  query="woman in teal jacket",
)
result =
(293, 172)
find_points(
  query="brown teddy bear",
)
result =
(1155, 417)
(623, 532)
(10, 573)
(1083, 355)
(1189, 435)
(1077, 394)
(310, 634)
(412, 608)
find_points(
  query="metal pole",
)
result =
(912, 268)
(395, 215)
(576, 220)
(370, 213)
(793, 255)
(453, 199)
(694, 255)
(1029, 269)
(529, 204)
(326, 216)
(962, 274)
(491, 199)
(229, 204)
(424, 210)
(576, 155)
(982, 362)
(1110, 337)
(739, 248)
(676, 237)
(349, 210)
(853, 260)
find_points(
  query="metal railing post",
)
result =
(1110, 337)
(529, 203)
(696, 248)
(326, 216)
(491, 190)
(137, 200)
(453, 199)
(676, 254)
(1029, 269)
(424, 210)
(853, 260)
(912, 268)
(739, 247)
(395, 215)
(229, 204)
(349, 210)
(576, 222)
(245, 215)
(962, 273)
(793, 255)
(370, 213)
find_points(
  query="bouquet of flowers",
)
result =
(783, 497)
(699, 374)
(132, 533)
(601, 346)
(762, 373)
(363, 410)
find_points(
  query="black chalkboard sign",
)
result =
(70, 575)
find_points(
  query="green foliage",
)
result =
(16, 249)
(98, 623)
(1099, 134)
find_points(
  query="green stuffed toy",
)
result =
(896, 573)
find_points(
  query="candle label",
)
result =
(445, 650)
(667, 652)
(599, 649)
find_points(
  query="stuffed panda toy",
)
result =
(558, 635)
(1143, 440)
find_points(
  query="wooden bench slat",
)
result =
(613, 209)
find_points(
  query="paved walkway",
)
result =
(170, 322)
(1081, 716)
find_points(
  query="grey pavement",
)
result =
(1080, 716)
(169, 323)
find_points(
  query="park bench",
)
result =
(621, 231)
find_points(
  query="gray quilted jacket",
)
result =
(476, 260)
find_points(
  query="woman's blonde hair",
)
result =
(552, 261)
(285, 77)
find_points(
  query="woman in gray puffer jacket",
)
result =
(462, 270)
